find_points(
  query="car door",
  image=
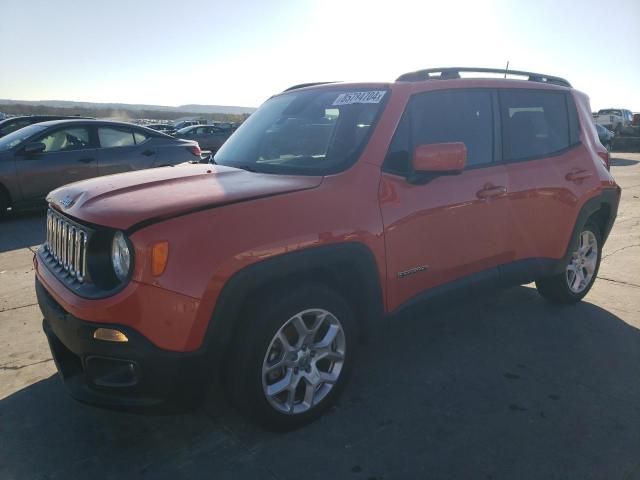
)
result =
(124, 149)
(69, 156)
(550, 172)
(454, 225)
(214, 138)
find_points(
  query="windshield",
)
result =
(19, 136)
(314, 132)
(186, 129)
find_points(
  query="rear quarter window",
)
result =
(536, 123)
(140, 137)
(115, 137)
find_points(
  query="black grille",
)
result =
(66, 246)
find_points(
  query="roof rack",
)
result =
(302, 85)
(449, 73)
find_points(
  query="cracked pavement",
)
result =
(500, 387)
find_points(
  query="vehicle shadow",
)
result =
(22, 230)
(500, 387)
(621, 162)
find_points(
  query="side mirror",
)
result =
(440, 158)
(435, 159)
(33, 148)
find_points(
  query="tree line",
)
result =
(120, 114)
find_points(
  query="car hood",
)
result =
(124, 200)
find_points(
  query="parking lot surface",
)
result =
(501, 387)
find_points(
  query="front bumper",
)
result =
(131, 374)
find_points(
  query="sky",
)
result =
(240, 52)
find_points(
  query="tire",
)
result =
(4, 205)
(262, 363)
(574, 283)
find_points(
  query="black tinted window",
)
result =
(455, 116)
(12, 126)
(534, 123)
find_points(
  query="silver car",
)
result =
(41, 157)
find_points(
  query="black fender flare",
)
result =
(351, 262)
(610, 197)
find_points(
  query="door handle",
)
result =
(491, 191)
(578, 175)
(148, 153)
(86, 160)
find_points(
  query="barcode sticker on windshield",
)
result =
(371, 96)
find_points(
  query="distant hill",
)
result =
(188, 109)
(124, 111)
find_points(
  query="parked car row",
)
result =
(605, 136)
(167, 128)
(43, 156)
(614, 118)
(209, 136)
(16, 123)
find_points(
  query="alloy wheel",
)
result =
(303, 361)
(582, 266)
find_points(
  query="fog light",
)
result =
(110, 335)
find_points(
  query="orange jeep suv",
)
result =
(331, 209)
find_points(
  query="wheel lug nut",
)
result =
(295, 370)
(313, 353)
(308, 369)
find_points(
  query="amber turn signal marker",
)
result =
(110, 335)
(159, 258)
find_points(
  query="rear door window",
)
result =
(115, 137)
(535, 123)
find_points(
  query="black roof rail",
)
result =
(312, 84)
(449, 73)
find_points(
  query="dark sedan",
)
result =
(41, 157)
(16, 123)
(209, 137)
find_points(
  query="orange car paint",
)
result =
(405, 226)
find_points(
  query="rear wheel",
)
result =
(292, 356)
(4, 204)
(580, 271)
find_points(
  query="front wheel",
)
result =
(293, 355)
(580, 271)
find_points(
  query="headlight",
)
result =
(120, 256)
